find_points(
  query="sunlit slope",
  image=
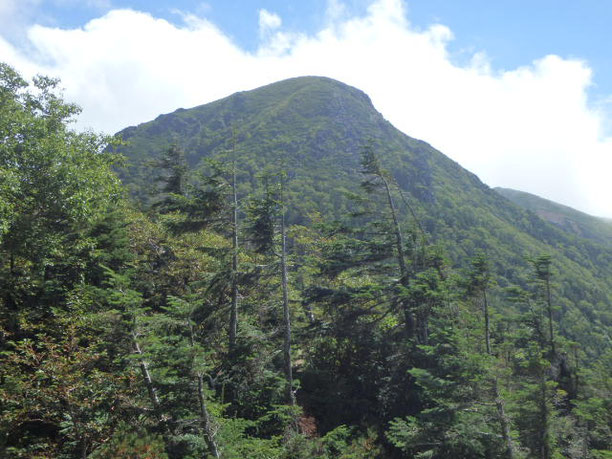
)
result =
(315, 127)
(566, 218)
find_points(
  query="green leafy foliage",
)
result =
(317, 128)
(418, 328)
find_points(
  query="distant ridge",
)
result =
(571, 220)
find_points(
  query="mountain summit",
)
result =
(311, 122)
(316, 127)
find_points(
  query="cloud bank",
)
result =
(529, 128)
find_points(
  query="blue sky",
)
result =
(511, 32)
(519, 92)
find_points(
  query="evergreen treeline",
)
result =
(208, 325)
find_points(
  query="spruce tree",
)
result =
(268, 233)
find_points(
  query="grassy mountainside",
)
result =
(315, 127)
(566, 218)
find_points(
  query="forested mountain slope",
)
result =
(566, 218)
(316, 127)
(315, 285)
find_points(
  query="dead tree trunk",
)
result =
(286, 310)
(146, 376)
(499, 402)
(206, 421)
(233, 325)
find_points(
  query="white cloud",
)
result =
(268, 21)
(335, 11)
(10, 8)
(15, 13)
(531, 128)
(203, 8)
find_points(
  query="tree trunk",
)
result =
(154, 399)
(414, 325)
(206, 421)
(399, 243)
(503, 421)
(10, 302)
(146, 376)
(205, 418)
(550, 318)
(499, 402)
(84, 449)
(545, 452)
(487, 321)
(233, 326)
(286, 311)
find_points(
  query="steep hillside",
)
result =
(566, 218)
(205, 326)
(315, 128)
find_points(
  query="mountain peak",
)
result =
(292, 91)
(313, 110)
(316, 127)
(311, 84)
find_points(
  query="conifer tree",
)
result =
(267, 224)
(479, 282)
(173, 179)
(215, 205)
(542, 271)
(537, 394)
(377, 178)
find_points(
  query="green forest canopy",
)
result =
(116, 318)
